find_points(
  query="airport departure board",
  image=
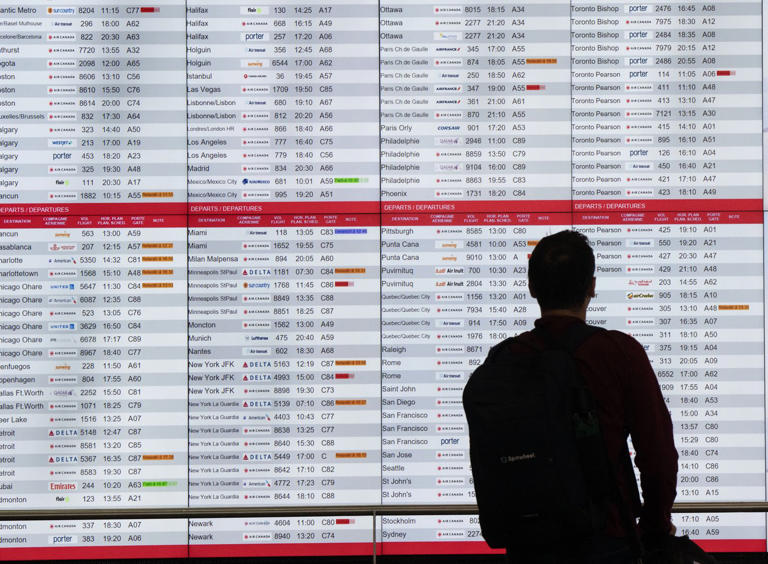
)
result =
(250, 253)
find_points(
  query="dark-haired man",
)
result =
(617, 371)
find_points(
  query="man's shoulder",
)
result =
(508, 345)
(528, 340)
(620, 338)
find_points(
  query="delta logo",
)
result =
(62, 433)
(68, 459)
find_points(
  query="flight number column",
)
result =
(475, 104)
(689, 287)
(283, 102)
(284, 360)
(453, 285)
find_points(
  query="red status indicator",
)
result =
(344, 375)
(148, 10)
(726, 73)
(535, 87)
(343, 283)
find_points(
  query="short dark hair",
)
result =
(560, 270)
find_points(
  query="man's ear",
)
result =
(592, 287)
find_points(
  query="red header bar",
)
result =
(285, 220)
(562, 220)
(283, 207)
(461, 206)
(173, 208)
(287, 549)
(732, 545)
(479, 547)
(92, 552)
(91, 221)
(310, 549)
(416, 207)
(554, 220)
(438, 547)
(682, 217)
(529, 206)
(667, 205)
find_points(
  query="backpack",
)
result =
(674, 550)
(540, 470)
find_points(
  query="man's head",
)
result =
(561, 271)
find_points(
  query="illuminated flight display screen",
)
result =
(250, 253)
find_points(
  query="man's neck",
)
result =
(581, 313)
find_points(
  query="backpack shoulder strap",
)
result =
(497, 351)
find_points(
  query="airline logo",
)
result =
(449, 10)
(254, 63)
(61, 143)
(449, 194)
(449, 270)
(62, 247)
(641, 269)
(63, 539)
(254, 10)
(62, 196)
(447, 36)
(256, 194)
(254, 36)
(451, 376)
(62, 486)
(61, 37)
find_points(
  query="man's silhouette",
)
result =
(616, 370)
